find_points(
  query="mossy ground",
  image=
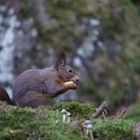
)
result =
(79, 110)
(46, 123)
(41, 123)
(133, 112)
(113, 129)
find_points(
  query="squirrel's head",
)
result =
(65, 72)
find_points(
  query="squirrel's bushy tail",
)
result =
(5, 97)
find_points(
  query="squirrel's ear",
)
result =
(61, 60)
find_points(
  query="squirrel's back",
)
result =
(32, 79)
(28, 80)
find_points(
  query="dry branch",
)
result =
(99, 111)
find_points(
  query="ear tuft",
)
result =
(61, 60)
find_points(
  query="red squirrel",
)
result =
(31, 87)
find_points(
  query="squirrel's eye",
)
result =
(70, 70)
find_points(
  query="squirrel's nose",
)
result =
(77, 79)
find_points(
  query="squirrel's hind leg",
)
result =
(32, 99)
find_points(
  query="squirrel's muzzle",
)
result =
(75, 78)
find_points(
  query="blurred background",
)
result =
(100, 37)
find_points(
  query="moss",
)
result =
(13, 120)
(51, 130)
(46, 123)
(41, 123)
(21, 116)
(113, 129)
(133, 112)
(80, 110)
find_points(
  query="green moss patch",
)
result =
(41, 123)
(113, 129)
(47, 123)
(80, 110)
(133, 112)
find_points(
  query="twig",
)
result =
(120, 114)
(99, 111)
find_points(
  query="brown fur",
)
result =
(31, 87)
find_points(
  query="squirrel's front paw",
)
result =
(70, 84)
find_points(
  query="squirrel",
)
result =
(33, 85)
